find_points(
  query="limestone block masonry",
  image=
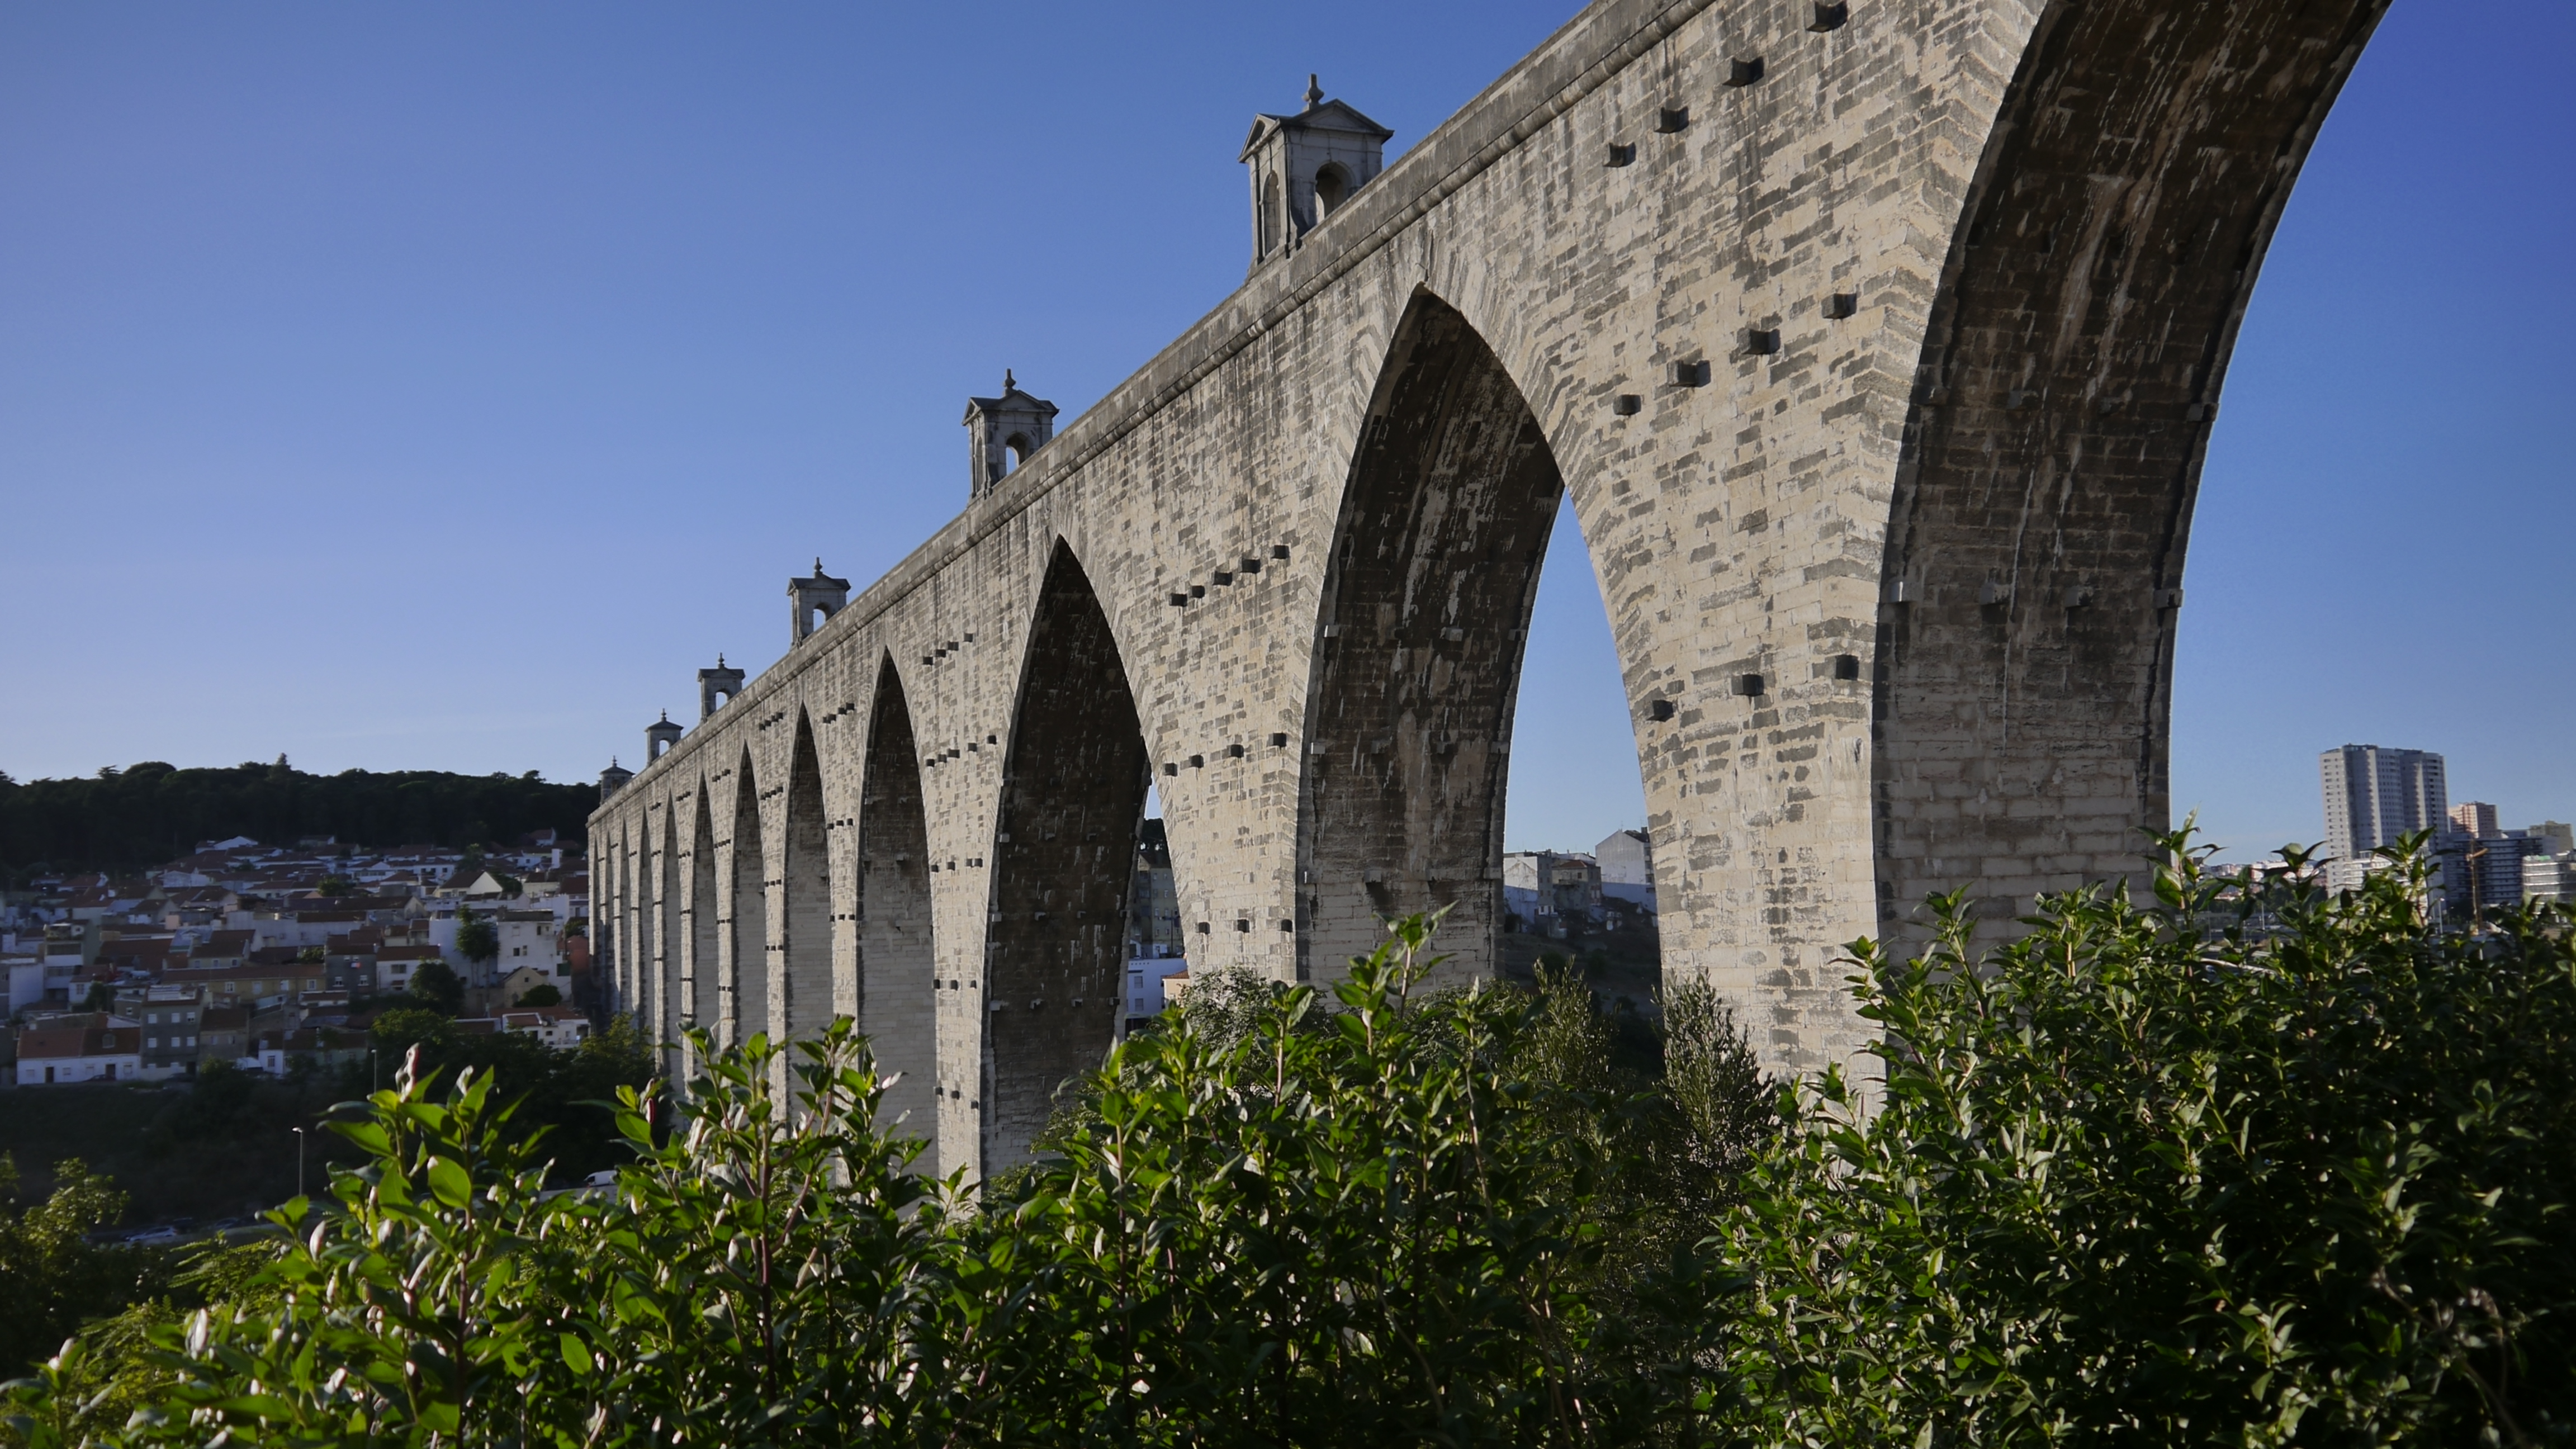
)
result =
(1877, 345)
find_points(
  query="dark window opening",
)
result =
(1332, 188)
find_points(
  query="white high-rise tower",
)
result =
(2373, 796)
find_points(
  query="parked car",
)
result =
(163, 1234)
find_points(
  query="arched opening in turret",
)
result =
(1417, 660)
(1332, 188)
(1016, 449)
(1064, 853)
(805, 943)
(746, 974)
(702, 969)
(898, 993)
(1273, 210)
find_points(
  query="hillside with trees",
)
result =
(125, 819)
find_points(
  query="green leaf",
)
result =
(448, 1180)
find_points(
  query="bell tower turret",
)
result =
(716, 688)
(1305, 166)
(821, 594)
(658, 738)
(1001, 433)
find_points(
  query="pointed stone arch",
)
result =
(891, 906)
(2103, 259)
(746, 975)
(803, 980)
(1064, 851)
(1426, 603)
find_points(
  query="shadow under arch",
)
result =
(1426, 605)
(804, 977)
(703, 998)
(648, 928)
(2071, 365)
(670, 1002)
(624, 975)
(745, 976)
(1064, 855)
(890, 904)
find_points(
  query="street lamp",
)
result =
(299, 1159)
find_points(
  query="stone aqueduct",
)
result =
(1877, 344)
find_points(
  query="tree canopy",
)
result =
(152, 812)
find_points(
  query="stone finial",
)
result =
(1314, 91)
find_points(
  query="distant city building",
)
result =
(2372, 797)
(1545, 888)
(1627, 860)
(2498, 862)
(2496, 869)
(1155, 948)
(267, 958)
(2550, 877)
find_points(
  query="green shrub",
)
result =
(1352, 1226)
(53, 1278)
(2238, 1166)
(2264, 1167)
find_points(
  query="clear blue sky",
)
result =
(441, 386)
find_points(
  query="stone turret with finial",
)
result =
(659, 737)
(1305, 167)
(814, 600)
(1002, 433)
(716, 688)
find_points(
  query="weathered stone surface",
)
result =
(1923, 330)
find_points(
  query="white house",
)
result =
(80, 1050)
(527, 938)
(1146, 978)
(560, 1027)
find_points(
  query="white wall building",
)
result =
(527, 938)
(1627, 860)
